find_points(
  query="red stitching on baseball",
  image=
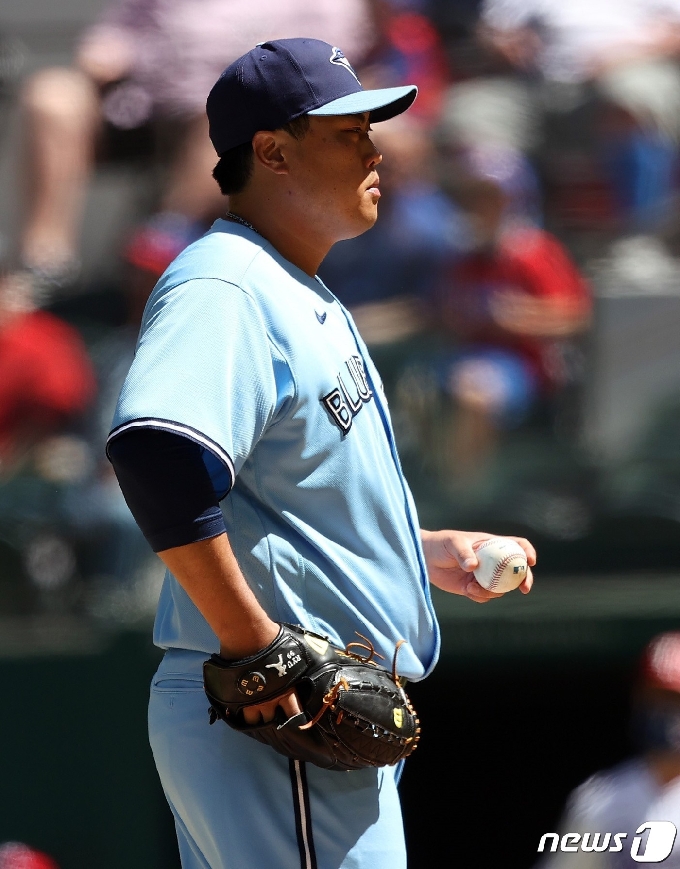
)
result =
(500, 567)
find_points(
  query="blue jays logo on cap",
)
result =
(338, 58)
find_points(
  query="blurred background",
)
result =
(521, 297)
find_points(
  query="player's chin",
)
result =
(369, 210)
(363, 220)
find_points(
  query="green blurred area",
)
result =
(78, 779)
(529, 697)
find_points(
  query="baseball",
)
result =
(502, 564)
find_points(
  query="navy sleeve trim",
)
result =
(179, 428)
(209, 524)
(167, 486)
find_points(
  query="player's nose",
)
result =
(374, 157)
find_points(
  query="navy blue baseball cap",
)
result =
(278, 81)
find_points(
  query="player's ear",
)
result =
(268, 151)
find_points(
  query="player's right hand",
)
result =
(251, 639)
(264, 712)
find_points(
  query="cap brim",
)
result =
(382, 104)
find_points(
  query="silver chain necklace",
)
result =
(241, 220)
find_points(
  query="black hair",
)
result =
(235, 166)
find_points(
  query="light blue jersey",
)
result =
(246, 355)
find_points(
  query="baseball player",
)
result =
(251, 386)
(642, 788)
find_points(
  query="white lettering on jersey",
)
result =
(341, 405)
(358, 372)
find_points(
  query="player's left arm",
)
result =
(451, 559)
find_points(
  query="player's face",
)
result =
(334, 168)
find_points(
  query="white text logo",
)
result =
(340, 403)
(655, 847)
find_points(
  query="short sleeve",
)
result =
(205, 368)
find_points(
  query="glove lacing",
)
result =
(331, 696)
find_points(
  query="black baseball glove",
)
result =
(355, 712)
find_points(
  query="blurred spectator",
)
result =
(15, 855)
(408, 50)
(149, 59)
(508, 309)
(45, 374)
(645, 788)
(613, 88)
(384, 275)
(578, 41)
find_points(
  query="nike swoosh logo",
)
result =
(320, 317)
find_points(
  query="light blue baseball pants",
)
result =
(239, 805)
